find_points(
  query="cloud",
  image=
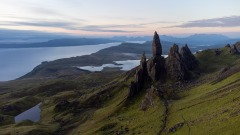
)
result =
(67, 25)
(46, 24)
(157, 22)
(73, 26)
(231, 21)
(46, 11)
(108, 28)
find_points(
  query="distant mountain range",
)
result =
(26, 39)
(60, 43)
(197, 39)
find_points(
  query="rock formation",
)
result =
(177, 70)
(157, 69)
(217, 52)
(188, 58)
(228, 46)
(234, 49)
(141, 77)
(156, 65)
(156, 45)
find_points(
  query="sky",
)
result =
(122, 17)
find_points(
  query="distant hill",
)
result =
(26, 39)
(200, 39)
(61, 42)
(28, 36)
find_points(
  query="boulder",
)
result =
(217, 52)
(228, 46)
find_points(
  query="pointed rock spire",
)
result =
(156, 45)
(188, 58)
(176, 67)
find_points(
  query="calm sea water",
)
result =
(17, 62)
(124, 65)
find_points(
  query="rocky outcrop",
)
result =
(238, 46)
(156, 65)
(217, 52)
(176, 68)
(228, 46)
(234, 50)
(10, 108)
(156, 45)
(156, 69)
(188, 58)
(141, 77)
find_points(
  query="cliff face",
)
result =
(157, 69)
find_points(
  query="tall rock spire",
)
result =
(156, 45)
(156, 65)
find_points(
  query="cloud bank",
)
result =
(231, 21)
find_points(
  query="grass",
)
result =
(23, 104)
(209, 62)
(207, 110)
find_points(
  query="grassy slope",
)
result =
(208, 109)
(205, 108)
(120, 115)
(51, 92)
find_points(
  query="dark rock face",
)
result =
(188, 58)
(66, 105)
(1, 119)
(228, 46)
(238, 46)
(9, 108)
(217, 52)
(234, 50)
(156, 45)
(156, 69)
(156, 65)
(141, 77)
(176, 67)
(132, 89)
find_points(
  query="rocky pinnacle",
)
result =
(156, 45)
